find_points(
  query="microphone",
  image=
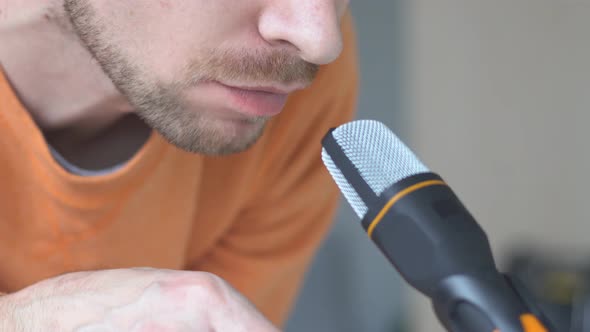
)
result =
(423, 229)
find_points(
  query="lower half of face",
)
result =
(192, 69)
(194, 120)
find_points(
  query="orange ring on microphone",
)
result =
(396, 198)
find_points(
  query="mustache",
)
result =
(277, 66)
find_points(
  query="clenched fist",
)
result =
(136, 300)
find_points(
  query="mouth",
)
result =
(271, 89)
(244, 101)
(258, 101)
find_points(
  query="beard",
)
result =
(164, 107)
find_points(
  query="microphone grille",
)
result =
(378, 155)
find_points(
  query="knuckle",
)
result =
(71, 281)
(213, 288)
(63, 283)
(184, 287)
(212, 284)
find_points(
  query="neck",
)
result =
(56, 78)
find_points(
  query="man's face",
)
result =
(208, 74)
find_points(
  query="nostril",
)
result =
(308, 27)
(282, 42)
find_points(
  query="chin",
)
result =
(217, 138)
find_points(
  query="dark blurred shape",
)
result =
(559, 287)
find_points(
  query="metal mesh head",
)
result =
(380, 157)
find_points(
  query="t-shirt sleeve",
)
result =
(265, 254)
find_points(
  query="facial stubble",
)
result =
(162, 105)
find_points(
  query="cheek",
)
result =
(163, 36)
(158, 36)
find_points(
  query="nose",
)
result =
(311, 27)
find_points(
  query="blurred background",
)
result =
(493, 95)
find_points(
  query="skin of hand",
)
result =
(139, 299)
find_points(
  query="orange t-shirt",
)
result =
(253, 218)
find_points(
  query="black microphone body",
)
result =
(439, 248)
(425, 232)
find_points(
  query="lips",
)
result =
(284, 90)
(243, 101)
(255, 102)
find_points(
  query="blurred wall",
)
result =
(350, 286)
(499, 105)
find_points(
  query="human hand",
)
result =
(138, 300)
